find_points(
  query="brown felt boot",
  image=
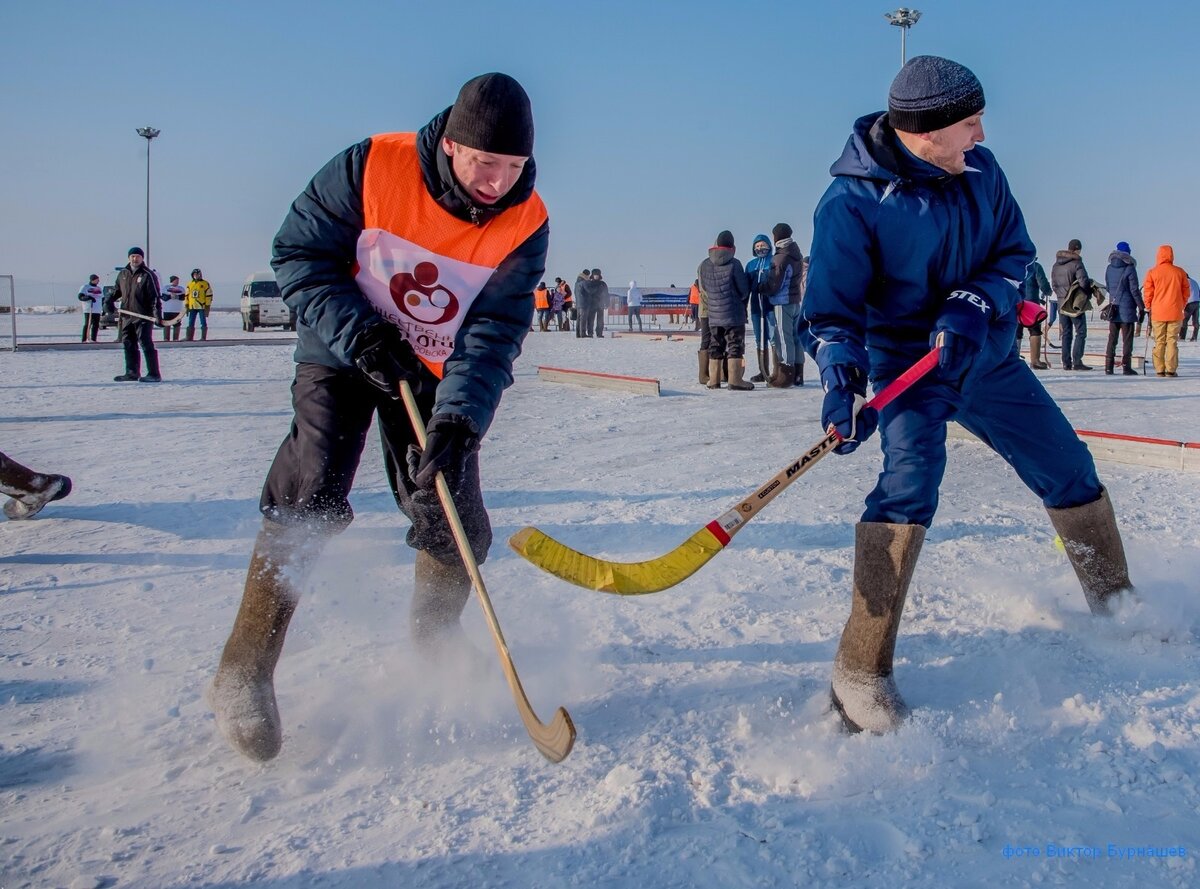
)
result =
(1093, 544)
(29, 490)
(783, 379)
(736, 368)
(1035, 353)
(440, 592)
(702, 354)
(242, 694)
(863, 689)
(715, 368)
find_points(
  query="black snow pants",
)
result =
(310, 480)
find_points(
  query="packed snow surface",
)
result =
(1045, 748)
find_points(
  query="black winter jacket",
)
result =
(314, 255)
(724, 281)
(137, 292)
(787, 256)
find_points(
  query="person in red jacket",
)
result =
(1165, 293)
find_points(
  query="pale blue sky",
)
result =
(658, 124)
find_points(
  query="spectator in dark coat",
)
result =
(1125, 295)
(137, 293)
(1068, 269)
(580, 309)
(784, 289)
(724, 281)
(592, 295)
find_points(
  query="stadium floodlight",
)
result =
(903, 18)
(148, 133)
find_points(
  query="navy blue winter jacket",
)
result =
(1121, 279)
(1036, 286)
(724, 281)
(758, 270)
(894, 236)
(314, 256)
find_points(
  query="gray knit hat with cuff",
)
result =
(930, 93)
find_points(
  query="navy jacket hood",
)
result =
(873, 151)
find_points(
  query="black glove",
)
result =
(450, 439)
(385, 358)
(845, 388)
(961, 330)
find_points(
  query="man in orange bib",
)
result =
(410, 256)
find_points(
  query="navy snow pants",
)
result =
(1009, 410)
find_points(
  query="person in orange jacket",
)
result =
(1165, 292)
(694, 302)
(541, 303)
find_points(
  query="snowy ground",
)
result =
(706, 756)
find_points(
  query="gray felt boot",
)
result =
(1093, 544)
(863, 689)
(242, 694)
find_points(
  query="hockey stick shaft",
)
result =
(157, 321)
(665, 571)
(554, 740)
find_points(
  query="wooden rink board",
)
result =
(1137, 450)
(596, 380)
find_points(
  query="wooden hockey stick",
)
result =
(654, 575)
(157, 321)
(555, 740)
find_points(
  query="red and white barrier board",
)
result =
(637, 385)
(1138, 450)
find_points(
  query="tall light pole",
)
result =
(148, 133)
(903, 18)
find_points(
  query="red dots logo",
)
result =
(419, 297)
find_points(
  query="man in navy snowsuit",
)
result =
(919, 241)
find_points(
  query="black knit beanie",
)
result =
(781, 231)
(725, 239)
(930, 93)
(492, 113)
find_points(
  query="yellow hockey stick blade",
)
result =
(620, 578)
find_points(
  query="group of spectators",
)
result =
(591, 302)
(1167, 296)
(727, 295)
(141, 305)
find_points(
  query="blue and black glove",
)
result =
(450, 440)
(961, 331)
(385, 358)
(843, 410)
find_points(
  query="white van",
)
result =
(262, 306)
